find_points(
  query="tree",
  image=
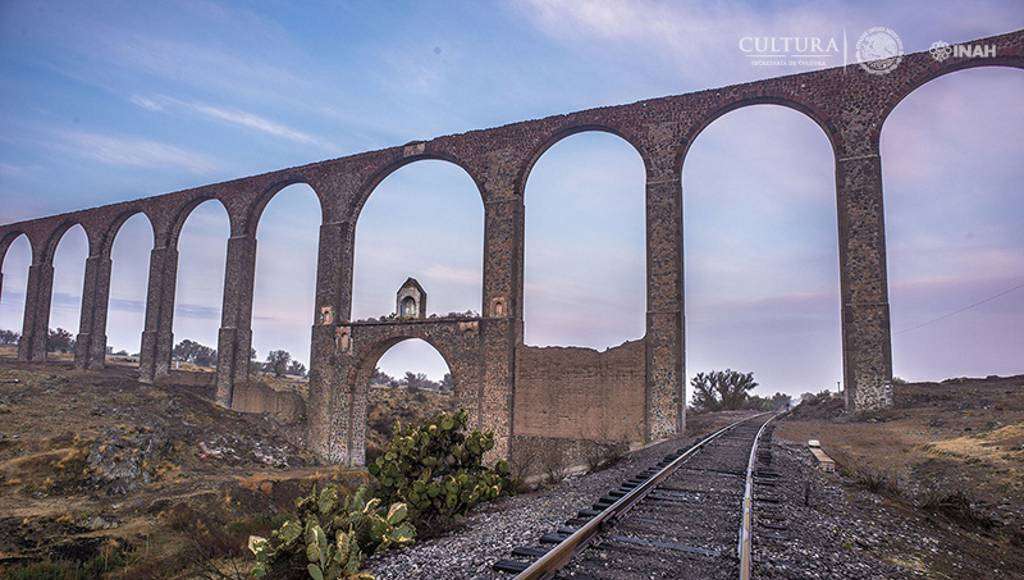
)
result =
(195, 353)
(704, 397)
(415, 381)
(8, 337)
(59, 340)
(277, 362)
(781, 401)
(447, 384)
(379, 377)
(296, 368)
(721, 390)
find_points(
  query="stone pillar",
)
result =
(867, 350)
(36, 322)
(91, 343)
(503, 242)
(665, 410)
(158, 336)
(330, 402)
(235, 338)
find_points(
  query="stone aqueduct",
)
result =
(491, 367)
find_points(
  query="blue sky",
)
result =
(102, 102)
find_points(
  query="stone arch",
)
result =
(188, 282)
(360, 229)
(612, 333)
(124, 265)
(110, 233)
(949, 168)
(50, 249)
(370, 185)
(819, 117)
(8, 239)
(930, 75)
(458, 344)
(259, 205)
(6, 242)
(563, 134)
(810, 296)
(284, 287)
(182, 213)
(65, 276)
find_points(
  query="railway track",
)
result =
(687, 517)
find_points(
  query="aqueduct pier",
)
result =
(633, 393)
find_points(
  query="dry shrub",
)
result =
(959, 506)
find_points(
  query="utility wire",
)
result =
(964, 309)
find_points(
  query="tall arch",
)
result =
(396, 393)
(200, 240)
(285, 281)
(15, 259)
(130, 245)
(761, 248)
(423, 220)
(951, 176)
(68, 251)
(585, 236)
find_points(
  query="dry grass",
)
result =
(967, 434)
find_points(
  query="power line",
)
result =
(964, 309)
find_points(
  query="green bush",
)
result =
(329, 538)
(438, 470)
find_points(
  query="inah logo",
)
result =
(940, 50)
(879, 50)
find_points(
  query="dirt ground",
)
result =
(950, 455)
(95, 463)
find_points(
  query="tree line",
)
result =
(412, 381)
(279, 362)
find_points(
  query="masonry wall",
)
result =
(580, 393)
(255, 397)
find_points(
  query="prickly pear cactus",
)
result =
(437, 469)
(329, 537)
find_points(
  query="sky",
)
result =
(108, 101)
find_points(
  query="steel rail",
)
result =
(560, 555)
(743, 547)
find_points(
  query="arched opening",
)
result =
(14, 269)
(395, 392)
(129, 280)
(285, 283)
(409, 307)
(66, 302)
(199, 292)
(761, 252)
(585, 262)
(423, 221)
(954, 231)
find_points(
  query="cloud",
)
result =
(197, 311)
(232, 116)
(258, 123)
(134, 152)
(148, 104)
